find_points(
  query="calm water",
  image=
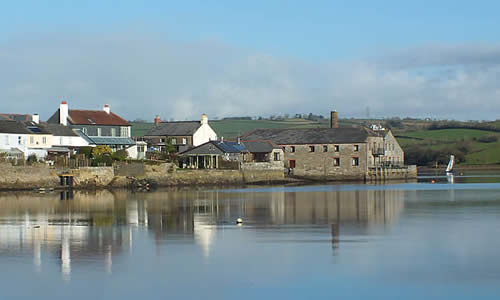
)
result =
(397, 241)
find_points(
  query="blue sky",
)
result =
(300, 38)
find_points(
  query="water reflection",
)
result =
(94, 227)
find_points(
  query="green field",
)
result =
(478, 152)
(234, 128)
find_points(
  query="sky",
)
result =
(179, 59)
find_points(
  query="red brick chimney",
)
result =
(157, 120)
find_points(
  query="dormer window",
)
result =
(91, 121)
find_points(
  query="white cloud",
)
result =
(141, 76)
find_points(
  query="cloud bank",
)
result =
(144, 75)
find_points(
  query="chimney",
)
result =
(334, 119)
(222, 139)
(239, 140)
(204, 119)
(35, 118)
(157, 120)
(63, 113)
(106, 108)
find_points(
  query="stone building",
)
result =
(230, 154)
(182, 134)
(334, 153)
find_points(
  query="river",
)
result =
(434, 238)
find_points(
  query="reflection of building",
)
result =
(77, 231)
(93, 227)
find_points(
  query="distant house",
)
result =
(27, 138)
(224, 154)
(183, 135)
(333, 152)
(97, 127)
(13, 138)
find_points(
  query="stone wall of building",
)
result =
(321, 164)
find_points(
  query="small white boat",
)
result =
(451, 164)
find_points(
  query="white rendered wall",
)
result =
(9, 140)
(204, 134)
(69, 141)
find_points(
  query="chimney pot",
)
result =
(157, 120)
(107, 109)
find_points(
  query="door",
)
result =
(291, 163)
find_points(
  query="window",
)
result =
(284, 149)
(99, 132)
(162, 140)
(325, 148)
(84, 130)
(184, 141)
(311, 148)
(291, 163)
(174, 141)
(124, 132)
(336, 161)
(336, 148)
(19, 140)
(292, 149)
(113, 131)
(356, 148)
(355, 161)
(276, 156)
(44, 140)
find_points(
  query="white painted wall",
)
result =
(9, 140)
(134, 153)
(204, 134)
(69, 141)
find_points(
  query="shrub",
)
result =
(87, 151)
(102, 160)
(101, 150)
(487, 139)
(120, 155)
(32, 159)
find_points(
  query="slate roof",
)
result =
(182, 128)
(259, 146)
(111, 141)
(10, 126)
(58, 129)
(90, 117)
(15, 117)
(311, 135)
(232, 147)
(36, 128)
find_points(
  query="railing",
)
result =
(378, 151)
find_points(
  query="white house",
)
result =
(183, 134)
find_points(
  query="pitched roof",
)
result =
(90, 117)
(58, 129)
(36, 128)
(15, 117)
(112, 140)
(311, 135)
(259, 146)
(232, 147)
(11, 126)
(175, 128)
